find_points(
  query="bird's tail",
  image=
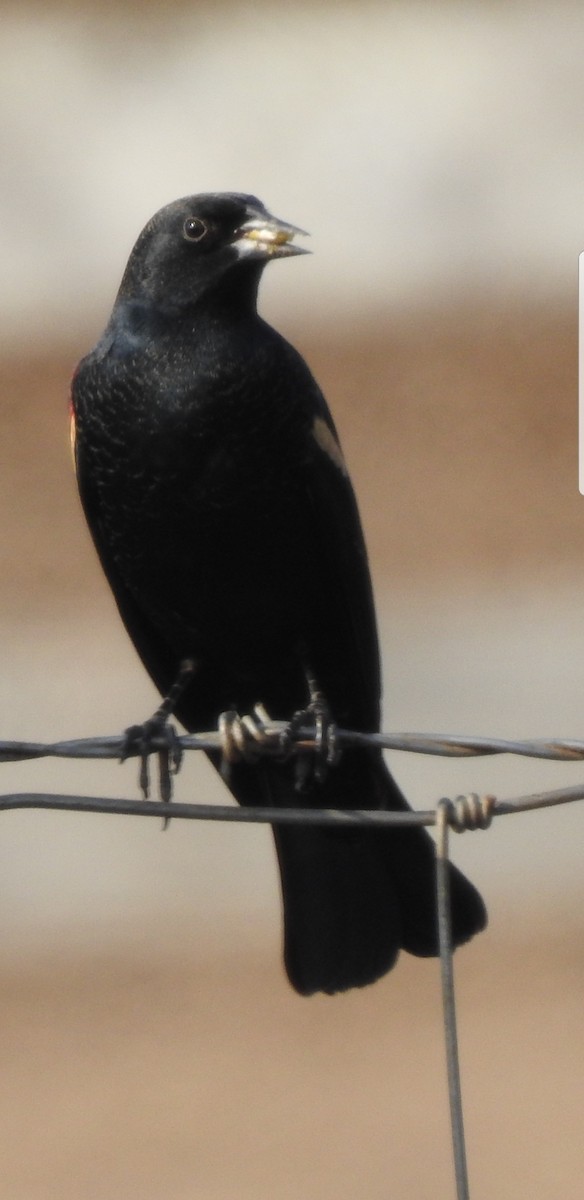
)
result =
(354, 897)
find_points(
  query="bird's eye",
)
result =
(194, 229)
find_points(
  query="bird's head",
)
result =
(201, 244)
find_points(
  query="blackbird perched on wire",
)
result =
(220, 505)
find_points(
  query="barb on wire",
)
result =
(256, 735)
(273, 735)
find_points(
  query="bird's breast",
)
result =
(200, 499)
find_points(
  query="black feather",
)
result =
(221, 509)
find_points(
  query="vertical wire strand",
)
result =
(448, 1001)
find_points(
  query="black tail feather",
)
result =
(353, 897)
(341, 913)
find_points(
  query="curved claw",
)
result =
(137, 743)
(313, 765)
(154, 736)
(157, 736)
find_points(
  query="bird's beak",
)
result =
(264, 236)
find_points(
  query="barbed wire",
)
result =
(256, 736)
(445, 745)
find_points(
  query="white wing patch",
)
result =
(326, 440)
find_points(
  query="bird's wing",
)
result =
(339, 635)
(343, 645)
(148, 643)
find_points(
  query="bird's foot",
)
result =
(154, 736)
(158, 736)
(317, 753)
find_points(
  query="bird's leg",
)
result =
(157, 735)
(312, 765)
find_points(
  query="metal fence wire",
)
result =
(256, 735)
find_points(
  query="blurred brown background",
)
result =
(150, 1045)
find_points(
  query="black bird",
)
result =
(218, 498)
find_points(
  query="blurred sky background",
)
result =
(431, 149)
(435, 153)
